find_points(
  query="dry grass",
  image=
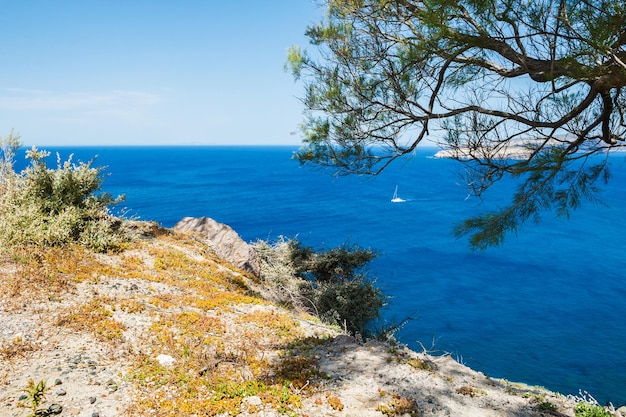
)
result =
(228, 344)
(17, 347)
(95, 316)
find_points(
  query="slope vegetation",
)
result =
(165, 328)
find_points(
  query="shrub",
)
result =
(328, 284)
(351, 304)
(55, 207)
(8, 148)
(279, 275)
(547, 406)
(335, 265)
(340, 292)
(35, 394)
(584, 409)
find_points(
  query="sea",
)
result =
(547, 308)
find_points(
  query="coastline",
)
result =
(149, 289)
(515, 152)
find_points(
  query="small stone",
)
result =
(165, 360)
(111, 386)
(22, 397)
(134, 287)
(55, 409)
(57, 381)
(95, 414)
(61, 392)
(92, 400)
(253, 400)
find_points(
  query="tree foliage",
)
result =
(522, 88)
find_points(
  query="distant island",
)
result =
(521, 151)
(516, 151)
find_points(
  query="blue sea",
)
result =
(547, 308)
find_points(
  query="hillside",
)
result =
(165, 328)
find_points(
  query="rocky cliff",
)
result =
(167, 328)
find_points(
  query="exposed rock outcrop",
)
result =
(224, 241)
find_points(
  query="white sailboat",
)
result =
(395, 198)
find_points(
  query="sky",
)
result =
(151, 72)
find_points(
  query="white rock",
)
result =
(254, 400)
(165, 360)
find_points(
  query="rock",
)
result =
(253, 400)
(95, 414)
(165, 360)
(343, 340)
(224, 241)
(92, 400)
(622, 411)
(111, 386)
(61, 392)
(55, 409)
(57, 381)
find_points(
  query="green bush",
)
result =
(351, 304)
(584, 409)
(55, 207)
(328, 284)
(340, 292)
(547, 406)
(335, 265)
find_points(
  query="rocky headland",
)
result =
(175, 326)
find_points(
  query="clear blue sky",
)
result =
(151, 72)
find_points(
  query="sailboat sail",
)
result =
(395, 198)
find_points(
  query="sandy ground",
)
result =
(87, 376)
